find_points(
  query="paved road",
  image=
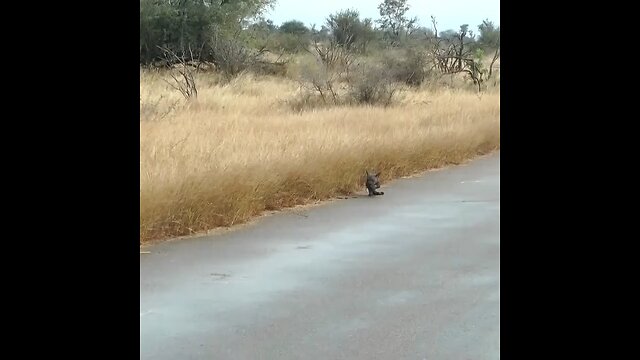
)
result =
(412, 274)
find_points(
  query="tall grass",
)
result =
(239, 149)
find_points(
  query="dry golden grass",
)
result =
(239, 149)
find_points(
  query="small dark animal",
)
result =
(373, 183)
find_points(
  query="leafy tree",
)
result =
(489, 34)
(294, 27)
(393, 19)
(349, 31)
(182, 25)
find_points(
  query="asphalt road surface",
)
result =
(412, 274)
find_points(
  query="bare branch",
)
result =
(187, 85)
(496, 55)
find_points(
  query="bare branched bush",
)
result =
(410, 68)
(317, 78)
(331, 67)
(496, 56)
(231, 56)
(182, 72)
(452, 56)
(335, 58)
(372, 85)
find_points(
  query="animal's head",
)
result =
(373, 180)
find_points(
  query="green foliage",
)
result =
(349, 31)
(393, 19)
(180, 25)
(294, 27)
(489, 34)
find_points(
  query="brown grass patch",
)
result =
(239, 150)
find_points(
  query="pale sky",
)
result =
(450, 14)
